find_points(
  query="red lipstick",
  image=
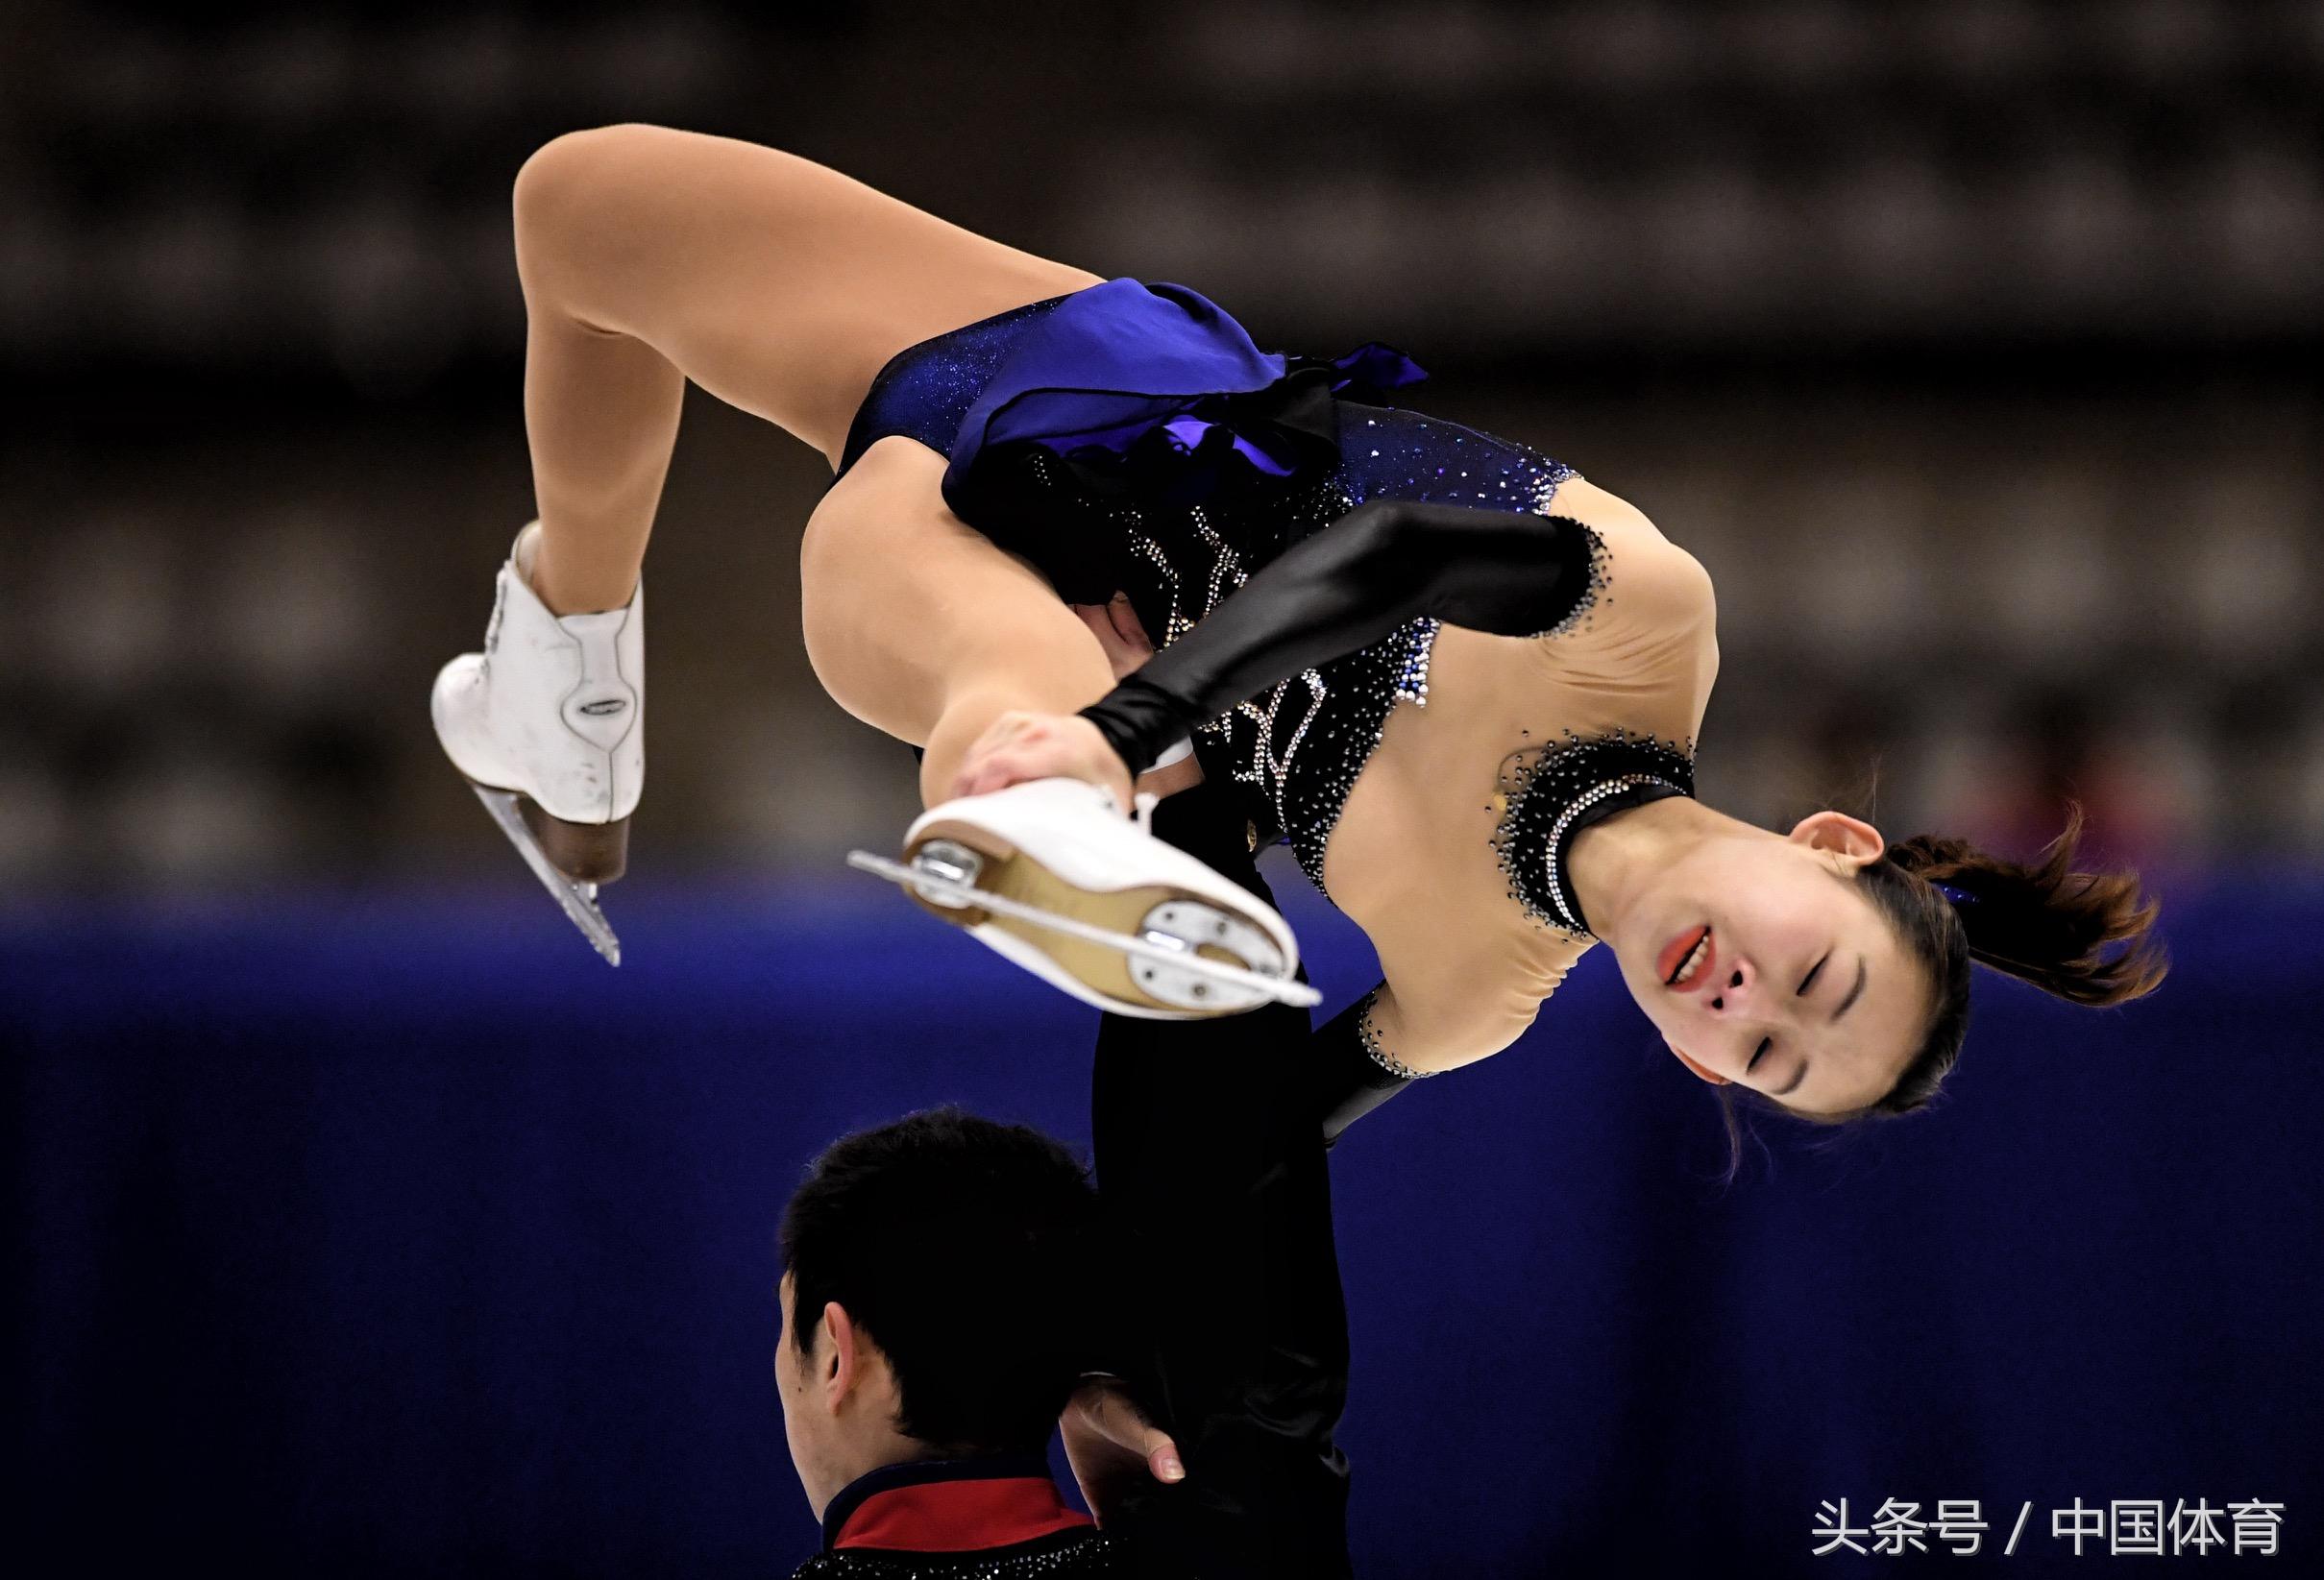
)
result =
(1677, 949)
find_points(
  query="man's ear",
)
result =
(1711, 1076)
(1836, 831)
(840, 1353)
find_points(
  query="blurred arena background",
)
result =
(1970, 344)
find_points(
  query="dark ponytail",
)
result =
(2045, 924)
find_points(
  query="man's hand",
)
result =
(1111, 1444)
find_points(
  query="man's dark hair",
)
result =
(964, 1248)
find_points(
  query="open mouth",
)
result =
(1687, 959)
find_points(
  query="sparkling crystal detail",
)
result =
(1096, 1554)
(1594, 584)
(1552, 792)
(1294, 752)
(1370, 1038)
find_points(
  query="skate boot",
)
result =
(1049, 873)
(546, 723)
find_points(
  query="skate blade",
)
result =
(578, 900)
(1171, 927)
(1181, 960)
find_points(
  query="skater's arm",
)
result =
(1378, 1046)
(1508, 572)
(1433, 1011)
(1349, 1081)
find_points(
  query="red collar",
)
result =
(949, 1505)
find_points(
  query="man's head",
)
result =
(936, 1296)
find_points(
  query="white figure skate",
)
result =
(548, 725)
(1050, 874)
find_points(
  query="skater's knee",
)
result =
(578, 196)
(564, 174)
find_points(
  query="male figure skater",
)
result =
(947, 1278)
(938, 1300)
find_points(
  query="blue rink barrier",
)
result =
(395, 1234)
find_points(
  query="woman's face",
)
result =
(1800, 990)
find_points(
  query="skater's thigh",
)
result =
(779, 285)
(906, 608)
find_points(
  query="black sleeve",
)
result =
(1509, 572)
(1226, 1316)
(1346, 1081)
(1231, 1325)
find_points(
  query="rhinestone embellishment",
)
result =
(1297, 748)
(1370, 1038)
(1095, 1554)
(1545, 798)
(1559, 900)
(1594, 583)
(1412, 674)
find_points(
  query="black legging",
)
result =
(1211, 1175)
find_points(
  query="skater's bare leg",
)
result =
(921, 626)
(601, 414)
(650, 256)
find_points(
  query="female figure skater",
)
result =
(1463, 682)
(1013, 438)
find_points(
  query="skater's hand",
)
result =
(1118, 631)
(1111, 1444)
(1022, 745)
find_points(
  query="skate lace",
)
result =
(1142, 811)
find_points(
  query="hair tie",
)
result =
(1959, 896)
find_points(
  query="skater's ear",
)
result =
(840, 1361)
(850, 1365)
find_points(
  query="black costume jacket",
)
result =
(999, 1518)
